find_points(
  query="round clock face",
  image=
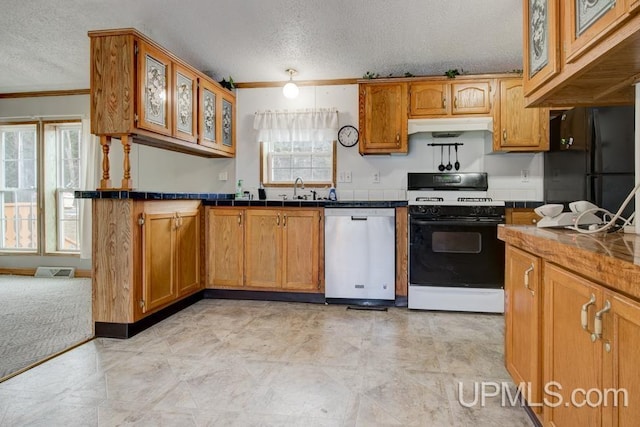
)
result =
(348, 136)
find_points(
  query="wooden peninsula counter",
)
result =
(572, 324)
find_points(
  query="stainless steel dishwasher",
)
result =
(359, 254)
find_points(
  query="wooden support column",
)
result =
(105, 182)
(127, 183)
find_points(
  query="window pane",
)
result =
(288, 160)
(321, 162)
(11, 174)
(301, 161)
(280, 161)
(281, 175)
(322, 174)
(10, 146)
(19, 220)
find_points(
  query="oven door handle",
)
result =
(463, 223)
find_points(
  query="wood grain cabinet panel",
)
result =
(471, 98)
(571, 359)
(521, 216)
(188, 252)
(301, 249)
(263, 248)
(429, 99)
(159, 268)
(517, 128)
(601, 356)
(266, 249)
(171, 253)
(383, 118)
(225, 247)
(621, 370)
(523, 322)
(450, 98)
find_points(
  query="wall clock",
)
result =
(348, 136)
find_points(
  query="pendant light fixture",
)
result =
(290, 90)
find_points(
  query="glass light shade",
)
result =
(290, 90)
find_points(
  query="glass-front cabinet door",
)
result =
(208, 114)
(541, 42)
(185, 104)
(587, 21)
(228, 128)
(154, 96)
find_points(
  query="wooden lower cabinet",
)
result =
(146, 255)
(523, 323)
(521, 216)
(262, 248)
(588, 366)
(171, 259)
(225, 247)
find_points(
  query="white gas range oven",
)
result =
(456, 262)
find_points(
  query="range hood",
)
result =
(453, 127)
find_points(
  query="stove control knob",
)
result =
(435, 210)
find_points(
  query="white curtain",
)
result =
(89, 161)
(301, 125)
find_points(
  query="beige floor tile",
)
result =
(259, 363)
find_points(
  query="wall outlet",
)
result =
(524, 175)
(223, 176)
(347, 176)
(375, 177)
(341, 176)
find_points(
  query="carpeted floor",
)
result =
(40, 317)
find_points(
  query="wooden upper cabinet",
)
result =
(517, 128)
(429, 99)
(471, 97)
(154, 94)
(144, 91)
(580, 52)
(541, 42)
(208, 114)
(383, 118)
(227, 128)
(185, 105)
(449, 98)
(586, 22)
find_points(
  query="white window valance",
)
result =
(301, 125)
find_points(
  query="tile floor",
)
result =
(257, 363)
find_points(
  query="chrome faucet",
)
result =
(295, 186)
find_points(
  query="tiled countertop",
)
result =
(226, 199)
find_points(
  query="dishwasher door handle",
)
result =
(358, 218)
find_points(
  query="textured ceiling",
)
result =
(44, 44)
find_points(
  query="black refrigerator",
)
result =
(591, 157)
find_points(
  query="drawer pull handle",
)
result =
(526, 279)
(598, 319)
(584, 316)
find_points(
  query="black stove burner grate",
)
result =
(475, 199)
(429, 199)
